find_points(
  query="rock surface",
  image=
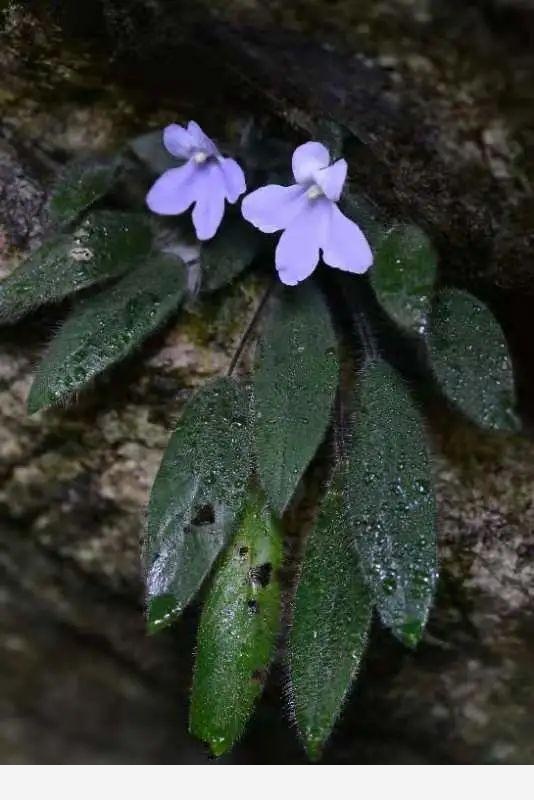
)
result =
(443, 139)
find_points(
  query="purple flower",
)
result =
(308, 215)
(207, 179)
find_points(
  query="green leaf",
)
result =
(390, 501)
(365, 215)
(105, 328)
(237, 632)
(228, 254)
(198, 491)
(105, 245)
(330, 626)
(403, 276)
(470, 358)
(294, 385)
(80, 185)
(149, 149)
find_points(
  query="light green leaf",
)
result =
(228, 254)
(403, 276)
(80, 185)
(390, 501)
(294, 387)
(198, 491)
(105, 245)
(237, 632)
(331, 621)
(470, 358)
(105, 328)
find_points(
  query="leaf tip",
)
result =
(313, 745)
(162, 611)
(410, 633)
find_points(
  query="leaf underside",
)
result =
(106, 244)
(330, 625)
(198, 491)
(470, 359)
(390, 501)
(237, 631)
(105, 328)
(294, 387)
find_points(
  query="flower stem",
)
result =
(250, 327)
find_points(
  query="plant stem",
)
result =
(250, 327)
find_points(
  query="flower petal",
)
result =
(331, 179)
(273, 207)
(201, 141)
(174, 191)
(297, 253)
(234, 179)
(345, 247)
(209, 208)
(178, 141)
(307, 159)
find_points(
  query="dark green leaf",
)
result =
(295, 384)
(105, 245)
(105, 328)
(80, 185)
(330, 625)
(228, 254)
(403, 276)
(149, 149)
(198, 491)
(390, 501)
(470, 358)
(237, 631)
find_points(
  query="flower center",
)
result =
(200, 157)
(314, 192)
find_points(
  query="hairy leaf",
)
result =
(105, 328)
(198, 491)
(228, 254)
(80, 185)
(294, 384)
(403, 276)
(470, 358)
(105, 245)
(237, 630)
(331, 621)
(390, 501)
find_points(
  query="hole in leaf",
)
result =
(253, 606)
(261, 576)
(243, 551)
(205, 515)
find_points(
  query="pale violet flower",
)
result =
(309, 217)
(207, 179)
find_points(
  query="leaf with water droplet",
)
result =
(403, 276)
(105, 245)
(330, 625)
(390, 500)
(470, 359)
(105, 328)
(294, 387)
(198, 492)
(225, 256)
(80, 185)
(237, 631)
